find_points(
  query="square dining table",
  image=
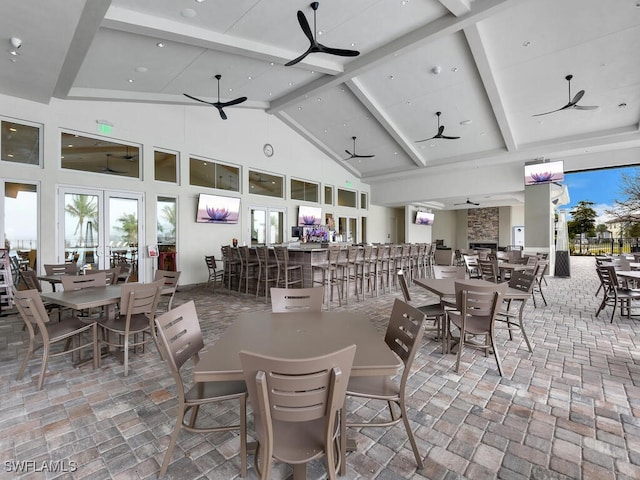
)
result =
(298, 335)
(85, 298)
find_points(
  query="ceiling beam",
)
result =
(383, 119)
(479, 53)
(424, 35)
(457, 7)
(88, 25)
(131, 21)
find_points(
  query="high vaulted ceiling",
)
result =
(487, 65)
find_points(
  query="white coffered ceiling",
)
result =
(499, 63)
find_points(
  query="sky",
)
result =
(602, 187)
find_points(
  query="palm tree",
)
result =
(169, 214)
(84, 208)
(128, 227)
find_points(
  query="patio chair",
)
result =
(615, 296)
(524, 281)
(403, 336)
(43, 334)
(296, 405)
(477, 307)
(138, 303)
(169, 287)
(180, 340)
(287, 300)
(215, 275)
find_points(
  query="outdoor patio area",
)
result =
(570, 409)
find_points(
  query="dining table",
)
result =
(85, 298)
(445, 288)
(298, 335)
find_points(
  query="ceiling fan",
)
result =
(314, 46)
(128, 156)
(573, 102)
(108, 169)
(219, 105)
(440, 131)
(468, 202)
(354, 154)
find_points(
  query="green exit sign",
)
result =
(104, 127)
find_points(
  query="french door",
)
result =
(100, 228)
(266, 225)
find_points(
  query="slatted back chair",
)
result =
(169, 287)
(296, 404)
(291, 300)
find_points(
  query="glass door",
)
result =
(266, 226)
(100, 229)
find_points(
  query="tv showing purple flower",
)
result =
(542, 177)
(309, 220)
(218, 214)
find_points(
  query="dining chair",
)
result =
(70, 268)
(30, 279)
(403, 336)
(286, 300)
(523, 281)
(180, 340)
(471, 264)
(445, 271)
(475, 314)
(138, 304)
(288, 275)
(540, 271)
(78, 282)
(215, 275)
(614, 295)
(230, 266)
(432, 311)
(296, 405)
(169, 287)
(489, 270)
(45, 334)
(330, 274)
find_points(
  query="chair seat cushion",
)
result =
(381, 387)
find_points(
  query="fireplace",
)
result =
(491, 245)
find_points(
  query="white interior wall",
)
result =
(444, 227)
(416, 233)
(188, 130)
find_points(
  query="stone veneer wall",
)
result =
(483, 224)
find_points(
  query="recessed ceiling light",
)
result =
(454, 69)
(188, 13)
(320, 32)
(353, 44)
(622, 105)
(300, 107)
(11, 155)
(540, 122)
(131, 80)
(159, 44)
(70, 145)
(319, 99)
(526, 43)
(12, 129)
(432, 145)
(271, 63)
(199, 1)
(482, 134)
(250, 77)
(465, 122)
(270, 94)
(390, 77)
(312, 72)
(404, 2)
(141, 69)
(290, 84)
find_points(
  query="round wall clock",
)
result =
(268, 150)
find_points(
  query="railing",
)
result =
(612, 246)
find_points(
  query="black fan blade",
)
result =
(300, 58)
(425, 140)
(552, 111)
(197, 99)
(364, 156)
(302, 20)
(448, 138)
(577, 98)
(233, 102)
(337, 51)
(349, 153)
(222, 114)
(585, 107)
(440, 130)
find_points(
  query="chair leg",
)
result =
(243, 436)
(126, 354)
(27, 357)
(173, 441)
(412, 440)
(45, 361)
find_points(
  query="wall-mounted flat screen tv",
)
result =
(424, 218)
(309, 215)
(540, 173)
(217, 209)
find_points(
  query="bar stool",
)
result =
(247, 267)
(381, 270)
(329, 269)
(267, 271)
(230, 265)
(286, 272)
(368, 267)
(350, 271)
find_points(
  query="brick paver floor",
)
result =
(569, 410)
